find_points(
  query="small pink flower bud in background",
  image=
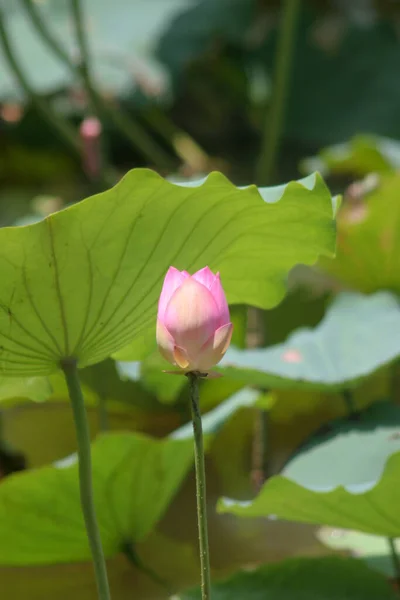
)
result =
(193, 323)
(90, 132)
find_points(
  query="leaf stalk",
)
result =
(69, 367)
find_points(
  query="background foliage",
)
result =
(303, 427)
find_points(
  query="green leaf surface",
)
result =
(363, 154)
(109, 383)
(303, 306)
(303, 579)
(351, 454)
(358, 335)
(134, 479)
(85, 281)
(374, 550)
(37, 389)
(368, 252)
(150, 374)
(371, 507)
(238, 315)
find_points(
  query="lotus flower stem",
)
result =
(85, 476)
(194, 378)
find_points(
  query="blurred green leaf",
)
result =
(109, 382)
(303, 306)
(358, 335)
(37, 389)
(363, 154)
(351, 454)
(215, 391)
(150, 373)
(371, 507)
(303, 579)
(134, 479)
(85, 281)
(368, 244)
(374, 550)
(239, 319)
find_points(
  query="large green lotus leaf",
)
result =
(234, 542)
(85, 281)
(299, 414)
(37, 389)
(294, 416)
(173, 562)
(358, 335)
(369, 240)
(215, 391)
(303, 579)
(370, 507)
(239, 319)
(360, 156)
(373, 549)
(324, 463)
(134, 479)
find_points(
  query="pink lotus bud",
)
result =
(90, 132)
(193, 323)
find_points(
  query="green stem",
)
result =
(78, 17)
(95, 104)
(350, 405)
(36, 18)
(260, 467)
(260, 459)
(395, 559)
(104, 424)
(139, 138)
(60, 125)
(188, 150)
(127, 126)
(70, 369)
(200, 485)
(129, 550)
(273, 126)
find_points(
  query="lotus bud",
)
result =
(193, 323)
(90, 132)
